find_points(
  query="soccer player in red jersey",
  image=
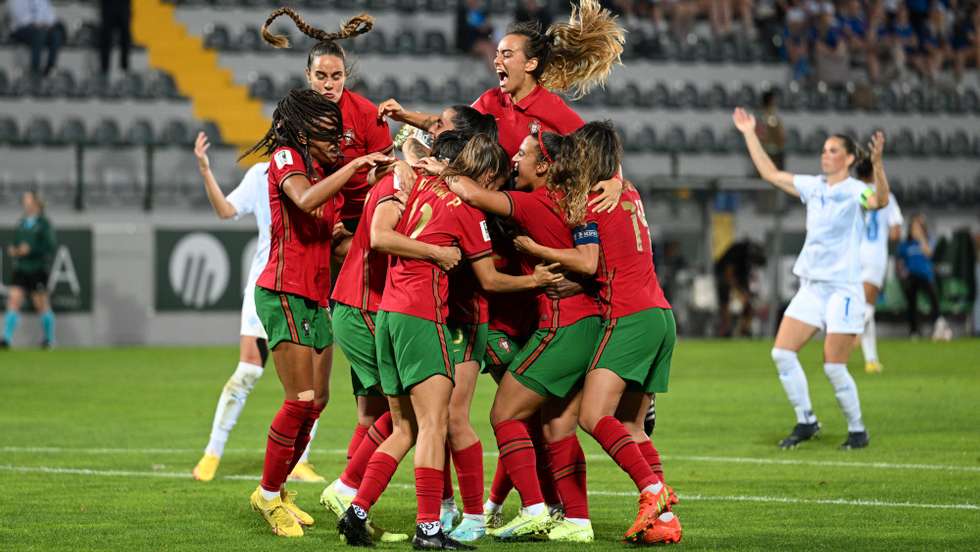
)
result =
(413, 340)
(632, 358)
(532, 66)
(548, 370)
(290, 294)
(327, 71)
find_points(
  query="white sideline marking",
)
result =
(703, 498)
(682, 458)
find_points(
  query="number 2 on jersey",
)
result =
(426, 212)
(635, 209)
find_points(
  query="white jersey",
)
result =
(834, 226)
(874, 240)
(252, 197)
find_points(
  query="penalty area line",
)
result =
(867, 503)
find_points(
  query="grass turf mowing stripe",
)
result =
(674, 458)
(706, 498)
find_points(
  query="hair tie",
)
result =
(544, 150)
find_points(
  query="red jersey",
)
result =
(299, 251)
(540, 110)
(437, 216)
(364, 133)
(509, 312)
(361, 280)
(626, 271)
(539, 215)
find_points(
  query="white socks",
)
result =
(268, 495)
(653, 489)
(343, 489)
(230, 405)
(869, 339)
(491, 507)
(535, 509)
(794, 382)
(846, 392)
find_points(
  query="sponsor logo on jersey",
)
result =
(484, 230)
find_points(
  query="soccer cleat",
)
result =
(663, 531)
(469, 530)
(447, 518)
(4, 344)
(353, 528)
(493, 520)
(287, 501)
(801, 432)
(282, 522)
(855, 440)
(334, 500)
(303, 471)
(556, 511)
(566, 531)
(524, 525)
(206, 467)
(380, 534)
(873, 367)
(650, 506)
(673, 496)
(438, 541)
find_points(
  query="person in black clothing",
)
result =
(116, 17)
(732, 272)
(533, 10)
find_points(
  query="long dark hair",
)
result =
(852, 148)
(471, 122)
(301, 116)
(326, 42)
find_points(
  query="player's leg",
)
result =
(467, 453)
(567, 461)
(15, 299)
(790, 338)
(302, 469)
(845, 318)
(42, 306)
(253, 352)
(869, 338)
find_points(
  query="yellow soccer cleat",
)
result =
(380, 534)
(334, 500)
(873, 367)
(566, 531)
(524, 525)
(304, 472)
(206, 467)
(287, 501)
(276, 515)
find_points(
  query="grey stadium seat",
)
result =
(39, 132)
(176, 133)
(9, 131)
(106, 133)
(72, 132)
(140, 133)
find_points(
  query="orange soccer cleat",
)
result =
(651, 506)
(663, 531)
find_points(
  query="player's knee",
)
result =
(459, 421)
(306, 396)
(587, 420)
(242, 381)
(780, 356)
(835, 371)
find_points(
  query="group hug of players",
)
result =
(507, 242)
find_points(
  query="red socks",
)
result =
(568, 466)
(546, 477)
(501, 485)
(378, 474)
(469, 472)
(618, 444)
(355, 440)
(652, 457)
(281, 444)
(428, 493)
(447, 475)
(517, 454)
(303, 437)
(358, 463)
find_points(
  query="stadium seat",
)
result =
(217, 37)
(794, 141)
(250, 40)
(970, 101)
(4, 82)
(407, 6)
(813, 142)
(453, 92)
(106, 134)
(732, 142)
(176, 133)
(645, 139)
(404, 43)
(948, 193)
(294, 82)
(387, 88)
(421, 92)
(435, 43)
(39, 132)
(83, 34)
(902, 143)
(213, 132)
(745, 96)
(131, 86)
(64, 85)
(931, 144)
(921, 192)
(140, 133)
(958, 144)
(72, 132)
(262, 87)
(675, 141)
(717, 97)
(703, 141)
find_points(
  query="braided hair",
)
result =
(326, 42)
(576, 56)
(302, 116)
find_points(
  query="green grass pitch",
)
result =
(98, 446)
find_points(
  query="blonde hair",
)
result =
(589, 155)
(481, 155)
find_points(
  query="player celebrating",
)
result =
(879, 227)
(251, 196)
(291, 293)
(632, 358)
(829, 267)
(32, 251)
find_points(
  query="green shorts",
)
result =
(638, 348)
(410, 351)
(288, 317)
(500, 351)
(469, 341)
(554, 360)
(354, 331)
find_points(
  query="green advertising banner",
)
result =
(202, 269)
(70, 279)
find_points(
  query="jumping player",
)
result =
(829, 267)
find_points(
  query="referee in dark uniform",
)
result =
(32, 252)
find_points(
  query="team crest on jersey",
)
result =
(504, 344)
(348, 136)
(283, 158)
(306, 327)
(535, 126)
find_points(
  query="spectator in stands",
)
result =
(770, 129)
(830, 52)
(733, 274)
(934, 43)
(33, 22)
(796, 37)
(918, 11)
(855, 28)
(720, 16)
(533, 10)
(474, 33)
(904, 42)
(915, 270)
(964, 41)
(115, 27)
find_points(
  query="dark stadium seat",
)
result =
(902, 143)
(840, 99)
(660, 95)
(214, 133)
(704, 141)
(407, 6)
(674, 141)
(970, 101)
(250, 40)
(914, 100)
(262, 87)
(39, 132)
(106, 133)
(4, 82)
(434, 43)
(794, 141)
(813, 142)
(644, 139)
(731, 141)
(64, 85)
(958, 144)
(294, 82)
(716, 97)
(921, 192)
(83, 34)
(437, 5)
(176, 133)
(746, 96)
(374, 42)
(217, 37)
(160, 85)
(453, 91)
(25, 85)
(405, 43)
(132, 86)
(387, 88)
(140, 133)
(931, 144)
(422, 92)
(948, 193)
(72, 132)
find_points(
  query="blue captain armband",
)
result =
(586, 234)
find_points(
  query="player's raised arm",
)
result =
(393, 110)
(882, 190)
(745, 123)
(222, 207)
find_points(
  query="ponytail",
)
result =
(326, 42)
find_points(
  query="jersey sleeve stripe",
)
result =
(480, 255)
(287, 175)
